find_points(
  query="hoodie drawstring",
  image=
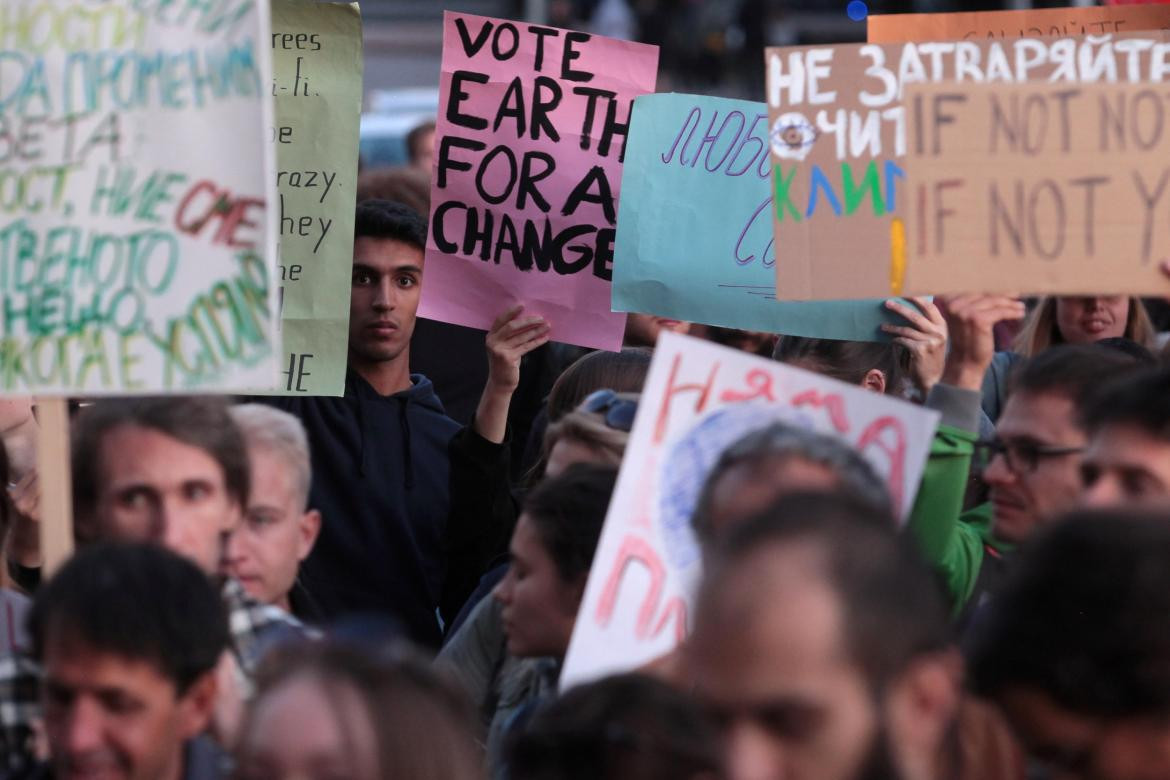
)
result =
(361, 421)
(407, 458)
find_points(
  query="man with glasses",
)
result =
(1033, 466)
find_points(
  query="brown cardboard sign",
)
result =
(837, 131)
(1027, 23)
(1038, 188)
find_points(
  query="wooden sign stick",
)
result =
(55, 475)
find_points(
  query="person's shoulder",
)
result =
(203, 759)
(1004, 360)
(256, 627)
(424, 398)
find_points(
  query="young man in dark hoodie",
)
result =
(392, 537)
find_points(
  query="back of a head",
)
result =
(204, 422)
(622, 372)
(1138, 399)
(847, 361)
(1141, 354)
(893, 609)
(409, 186)
(1082, 618)
(1072, 371)
(387, 219)
(770, 446)
(568, 512)
(422, 725)
(629, 727)
(134, 601)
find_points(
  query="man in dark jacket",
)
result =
(381, 466)
(129, 637)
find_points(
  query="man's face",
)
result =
(265, 552)
(1124, 465)
(384, 296)
(113, 718)
(790, 702)
(1025, 498)
(154, 488)
(1074, 746)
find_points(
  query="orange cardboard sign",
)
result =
(1029, 23)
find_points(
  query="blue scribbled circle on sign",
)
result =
(857, 10)
(690, 458)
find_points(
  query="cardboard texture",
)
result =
(1038, 188)
(838, 141)
(1026, 23)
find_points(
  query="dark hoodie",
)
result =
(381, 482)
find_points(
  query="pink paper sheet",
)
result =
(527, 116)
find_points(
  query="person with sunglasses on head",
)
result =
(595, 432)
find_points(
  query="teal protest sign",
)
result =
(694, 239)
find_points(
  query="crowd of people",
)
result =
(385, 584)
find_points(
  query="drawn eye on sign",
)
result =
(792, 136)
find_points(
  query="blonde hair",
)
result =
(282, 435)
(590, 430)
(1040, 330)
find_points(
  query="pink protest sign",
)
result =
(529, 145)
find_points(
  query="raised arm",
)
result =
(510, 339)
(954, 548)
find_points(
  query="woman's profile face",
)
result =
(306, 729)
(537, 606)
(1087, 320)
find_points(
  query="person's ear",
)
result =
(874, 381)
(920, 708)
(197, 705)
(309, 527)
